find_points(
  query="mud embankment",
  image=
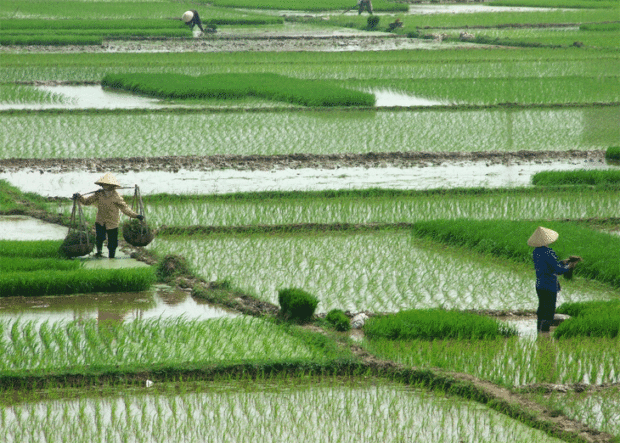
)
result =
(289, 161)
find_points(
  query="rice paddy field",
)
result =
(88, 87)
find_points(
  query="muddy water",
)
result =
(95, 97)
(19, 227)
(446, 175)
(162, 301)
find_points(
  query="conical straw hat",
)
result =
(108, 179)
(542, 237)
(188, 16)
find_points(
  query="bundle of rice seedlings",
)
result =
(77, 244)
(137, 233)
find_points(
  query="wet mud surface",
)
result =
(222, 174)
(294, 42)
(291, 161)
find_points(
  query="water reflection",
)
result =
(161, 302)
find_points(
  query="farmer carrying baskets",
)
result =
(109, 202)
(548, 267)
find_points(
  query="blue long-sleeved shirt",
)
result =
(548, 267)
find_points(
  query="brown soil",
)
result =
(290, 161)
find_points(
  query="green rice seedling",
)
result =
(317, 5)
(297, 304)
(375, 206)
(402, 272)
(582, 177)
(88, 347)
(432, 324)
(602, 262)
(56, 282)
(361, 65)
(15, 264)
(576, 309)
(272, 86)
(590, 4)
(30, 249)
(613, 153)
(150, 134)
(591, 319)
(597, 409)
(266, 410)
(121, 11)
(511, 362)
(10, 93)
(338, 320)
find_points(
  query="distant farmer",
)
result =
(191, 19)
(548, 267)
(395, 24)
(108, 202)
(364, 5)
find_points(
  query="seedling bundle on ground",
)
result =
(390, 253)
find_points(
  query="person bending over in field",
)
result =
(108, 202)
(364, 5)
(548, 267)
(191, 19)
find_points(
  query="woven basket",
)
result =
(137, 233)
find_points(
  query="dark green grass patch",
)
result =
(590, 319)
(564, 4)
(225, 86)
(431, 324)
(18, 264)
(314, 5)
(613, 153)
(296, 304)
(13, 200)
(600, 27)
(30, 249)
(46, 282)
(508, 239)
(582, 177)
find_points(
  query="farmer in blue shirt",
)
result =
(548, 267)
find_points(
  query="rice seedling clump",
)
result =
(79, 281)
(338, 319)
(433, 324)
(591, 319)
(266, 85)
(296, 304)
(583, 177)
(613, 153)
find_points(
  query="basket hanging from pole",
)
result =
(79, 240)
(137, 232)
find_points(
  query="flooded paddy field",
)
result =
(516, 362)
(160, 302)
(223, 181)
(270, 411)
(401, 273)
(599, 409)
(62, 138)
(153, 134)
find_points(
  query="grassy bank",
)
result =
(509, 239)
